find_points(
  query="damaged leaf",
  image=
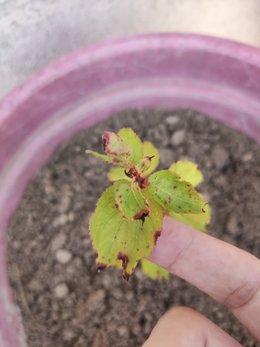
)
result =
(128, 218)
(175, 195)
(132, 140)
(121, 241)
(130, 201)
(115, 146)
(147, 162)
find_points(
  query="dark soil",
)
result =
(64, 301)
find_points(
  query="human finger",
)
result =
(226, 273)
(184, 327)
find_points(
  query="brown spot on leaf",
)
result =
(156, 235)
(141, 215)
(116, 205)
(174, 187)
(142, 182)
(124, 258)
(105, 140)
(116, 161)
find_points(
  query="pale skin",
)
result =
(228, 274)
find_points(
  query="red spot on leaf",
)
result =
(124, 258)
(105, 139)
(142, 214)
(156, 235)
(141, 181)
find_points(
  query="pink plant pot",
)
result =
(217, 77)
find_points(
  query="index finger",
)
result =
(226, 273)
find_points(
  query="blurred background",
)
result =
(35, 32)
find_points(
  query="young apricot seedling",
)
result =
(127, 221)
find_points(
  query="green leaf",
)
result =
(175, 195)
(150, 159)
(133, 141)
(131, 202)
(153, 270)
(197, 221)
(188, 171)
(99, 156)
(117, 173)
(119, 241)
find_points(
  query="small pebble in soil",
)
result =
(60, 220)
(219, 157)
(35, 285)
(166, 156)
(63, 256)
(61, 290)
(64, 204)
(95, 300)
(232, 224)
(58, 241)
(247, 157)
(178, 137)
(172, 120)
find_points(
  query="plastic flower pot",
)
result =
(217, 77)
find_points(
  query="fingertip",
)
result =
(226, 273)
(174, 238)
(184, 327)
